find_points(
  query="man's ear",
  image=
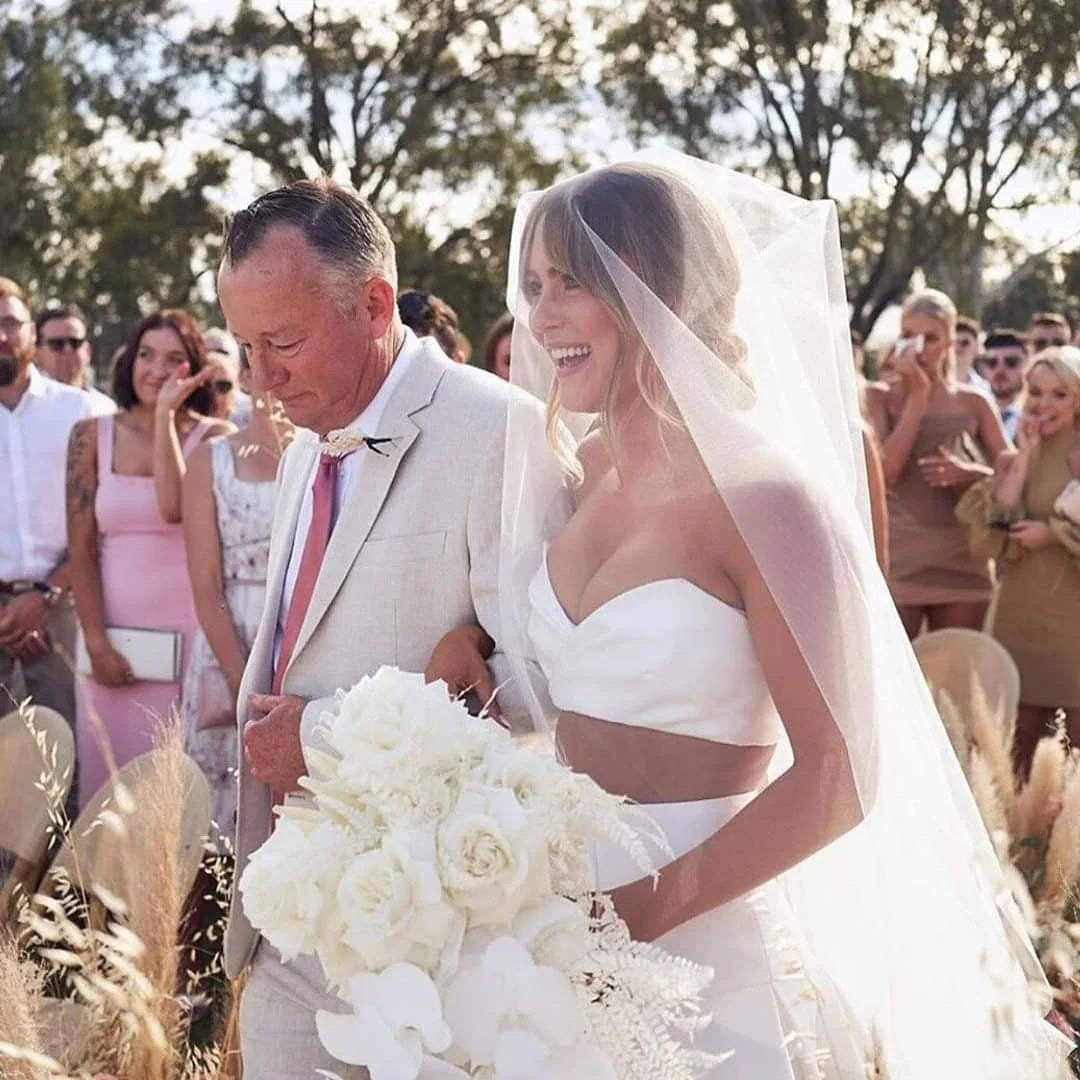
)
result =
(381, 303)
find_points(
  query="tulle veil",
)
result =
(909, 912)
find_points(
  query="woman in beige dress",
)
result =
(936, 439)
(1028, 515)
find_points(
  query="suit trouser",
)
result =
(277, 1019)
(47, 680)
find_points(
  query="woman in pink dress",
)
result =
(125, 542)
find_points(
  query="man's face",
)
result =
(63, 352)
(322, 363)
(16, 339)
(1048, 336)
(1004, 367)
(966, 347)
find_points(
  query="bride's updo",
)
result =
(671, 239)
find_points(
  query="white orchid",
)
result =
(503, 989)
(396, 1016)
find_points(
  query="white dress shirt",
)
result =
(100, 404)
(33, 463)
(350, 469)
(1010, 418)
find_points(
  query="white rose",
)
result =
(392, 906)
(555, 931)
(531, 777)
(491, 862)
(289, 881)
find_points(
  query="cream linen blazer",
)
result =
(414, 553)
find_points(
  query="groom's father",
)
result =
(374, 555)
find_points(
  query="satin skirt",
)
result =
(772, 1004)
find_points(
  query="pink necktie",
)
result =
(322, 517)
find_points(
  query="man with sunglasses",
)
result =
(230, 402)
(63, 353)
(1004, 363)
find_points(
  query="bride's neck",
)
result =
(651, 455)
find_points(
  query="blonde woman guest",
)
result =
(1028, 514)
(936, 437)
(125, 544)
(228, 514)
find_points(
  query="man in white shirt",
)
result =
(1004, 363)
(63, 353)
(37, 621)
(966, 352)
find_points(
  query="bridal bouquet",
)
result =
(440, 876)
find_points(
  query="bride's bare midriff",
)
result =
(651, 766)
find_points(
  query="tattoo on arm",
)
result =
(81, 470)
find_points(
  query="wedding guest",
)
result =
(230, 401)
(427, 315)
(228, 514)
(497, 346)
(1028, 515)
(126, 545)
(1048, 330)
(63, 353)
(936, 438)
(37, 623)
(1004, 362)
(966, 353)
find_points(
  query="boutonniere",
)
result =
(342, 442)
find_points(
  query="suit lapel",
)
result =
(371, 487)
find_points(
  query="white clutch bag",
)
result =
(153, 655)
(1067, 504)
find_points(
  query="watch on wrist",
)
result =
(52, 594)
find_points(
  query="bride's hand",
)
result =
(460, 660)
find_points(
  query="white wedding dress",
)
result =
(669, 656)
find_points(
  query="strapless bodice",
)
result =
(665, 655)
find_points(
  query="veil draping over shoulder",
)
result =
(909, 912)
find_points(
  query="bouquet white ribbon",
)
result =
(441, 878)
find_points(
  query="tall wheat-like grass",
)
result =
(106, 933)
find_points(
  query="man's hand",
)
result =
(23, 622)
(460, 659)
(272, 741)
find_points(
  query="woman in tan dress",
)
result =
(1029, 516)
(936, 438)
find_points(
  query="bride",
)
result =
(687, 556)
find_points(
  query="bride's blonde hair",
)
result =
(650, 218)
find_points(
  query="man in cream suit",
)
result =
(374, 556)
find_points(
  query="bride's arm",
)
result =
(811, 804)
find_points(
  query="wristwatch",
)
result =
(53, 594)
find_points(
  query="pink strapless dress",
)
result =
(144, 584)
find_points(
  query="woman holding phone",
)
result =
(125, 544)
(937, 438)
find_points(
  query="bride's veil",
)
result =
(908, 913)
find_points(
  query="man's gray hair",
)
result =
(350, 239)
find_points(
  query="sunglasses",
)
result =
(992, 362)
(1041, 343)
(57, 344)
(223, 386)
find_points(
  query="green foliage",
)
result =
(939, 116)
